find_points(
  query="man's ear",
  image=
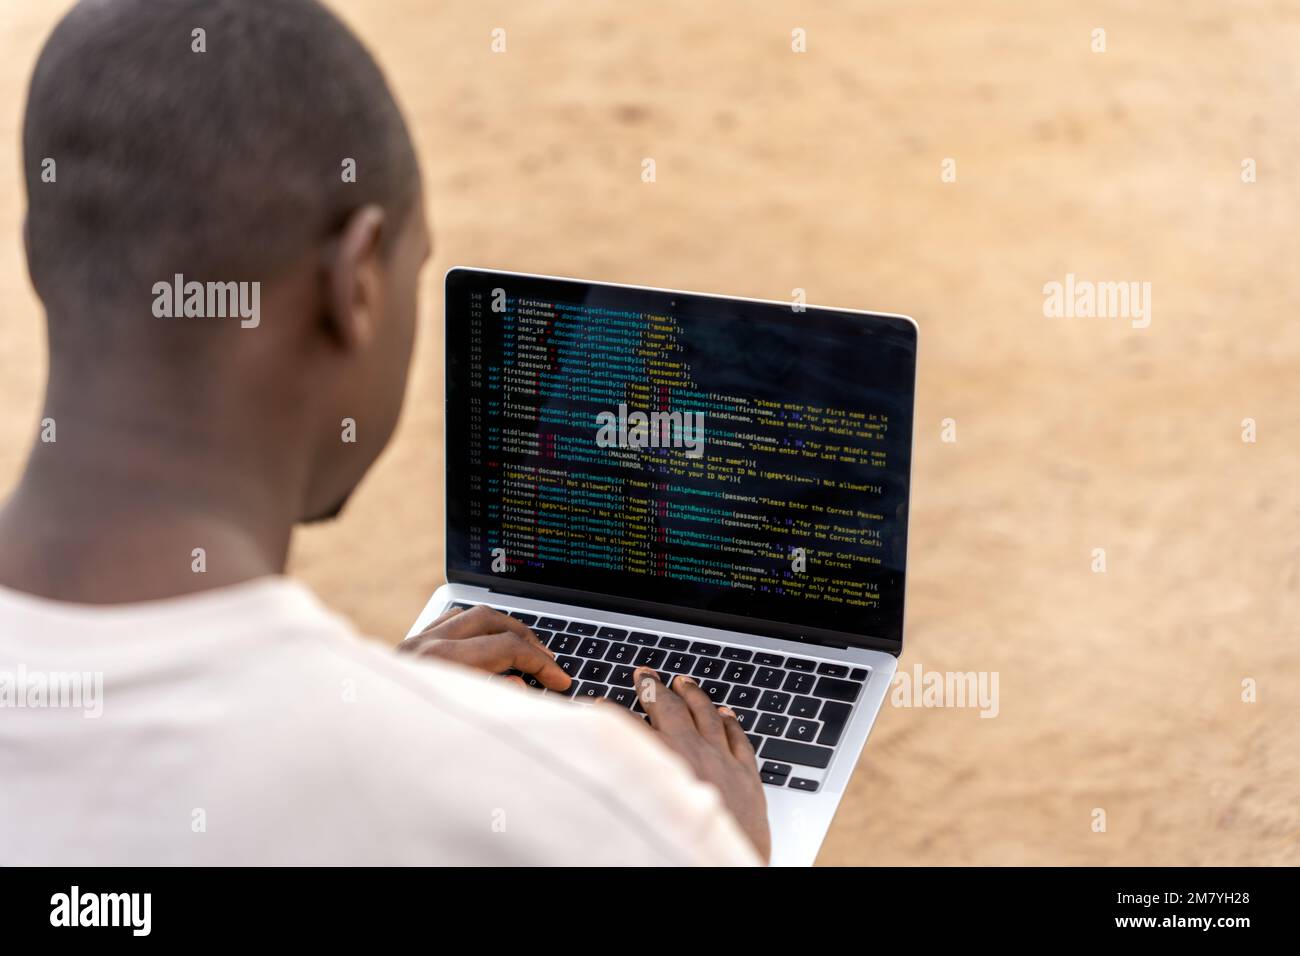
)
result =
(354, 278)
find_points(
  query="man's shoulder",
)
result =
(442, 748)
(376, 700)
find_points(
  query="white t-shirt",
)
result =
(251, 725)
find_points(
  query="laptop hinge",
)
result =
(834, 645)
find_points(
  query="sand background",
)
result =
(821, 171)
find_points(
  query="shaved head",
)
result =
(179, 156)
(204, 137)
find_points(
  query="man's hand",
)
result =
(713, 743)
(488, 641)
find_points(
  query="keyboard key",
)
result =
(745, 718)
(773, 779)
(837, 689)
(532, 681)
(544, 637)
(459, 604)
(583, 628)
(565, 643)
(742, 697)
(780, 769)
(799, 664)
(833, 670)
(774, 701)
(590, 692)
(621, 676)
(593, 648)
(805, 730)
(738, 673)
(552, 623)
(754, 741)
(674, 643)
(612, 633)
(769, 660)
(802, 783)
(805, 707)
(768, 677)
(771, 724)
(570, 665)
(835, 717)
(650, 657)
(621, 653)
(859, 674)
(708, 650)
(799, 683)
(716, 690)
(709, 667)
(623, 696)
(644, 639)
(596, 671)
(790, 751)
(522, 618)
(679, 663)
(567, 692)
(736, 653)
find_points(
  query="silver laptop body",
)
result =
(813, 689)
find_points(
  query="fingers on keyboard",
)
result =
(793, 710)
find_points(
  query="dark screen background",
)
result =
(523, 390)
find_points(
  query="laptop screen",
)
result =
(725, 462)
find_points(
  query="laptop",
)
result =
(701, 484)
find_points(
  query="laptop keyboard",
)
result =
(793, 709)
